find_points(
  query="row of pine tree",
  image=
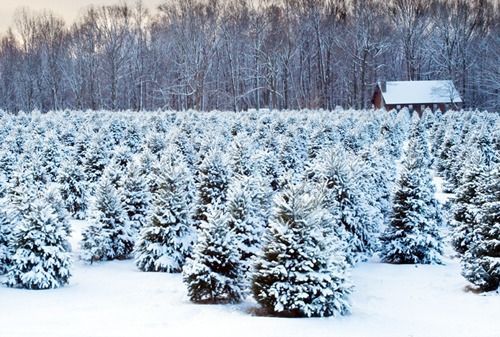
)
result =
(466, 149)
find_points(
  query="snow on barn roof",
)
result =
(417, 92)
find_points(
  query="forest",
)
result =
(239, 55)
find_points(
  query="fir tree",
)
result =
(122, 156)
(6, 236)
(21, 191)
(51, 155)
(109, 236)
(481, 262)
(465, 203)
(240, 156)
(244, 220)
(114, 173)
(412, 235)
(302, 270)
(214, 274)
(136, 198)
(213, 182)
(8, 162)
(73, 189)
(166, 240)
(54, 199)
(40, 260)
(345, 201)
(96, 159)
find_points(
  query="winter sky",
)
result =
(68, 9)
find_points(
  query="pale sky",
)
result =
(69, 9)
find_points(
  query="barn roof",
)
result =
(419, 92)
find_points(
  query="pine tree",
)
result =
(166, 240)
(6, 235)
(51, 155)
(53, 198)
(73, 189)
(240, 155)
(21, 191)
(109, 236)
(412, 235)
(465, 203)
(302, 270)
(213, 182)
(3, 186)
(40, 260)
(481, 262)
(214, 274)
(81, 147)
(345, 201)
(445, 158)
(122, 156)
(114, 173)
(136, 197)
(96, 159)
(244, 220)
(133, 138)
(8, 162)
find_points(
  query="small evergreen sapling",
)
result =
(215, 274)
(302, 269)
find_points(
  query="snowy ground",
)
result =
(115, 299)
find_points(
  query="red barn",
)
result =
(416, 95)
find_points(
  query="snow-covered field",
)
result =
(116, 299)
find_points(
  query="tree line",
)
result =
(238, 55)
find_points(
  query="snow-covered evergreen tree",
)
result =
(73, 188)
(412, 235)
(6, 236)
(465, 202)
(51, 154)
(213, 182)
(96, 159)
(122, 156)
(481, 262)
(21, 191)
(54, 199)
(346, 203)
(40, 260)
(109, 236)
(244, 218)
(136, 198)
(166, 240)
(8, 162)
(240, 155)
(302, 270)
(114, 173)
(215, 274)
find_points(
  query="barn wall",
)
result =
(377, 99)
